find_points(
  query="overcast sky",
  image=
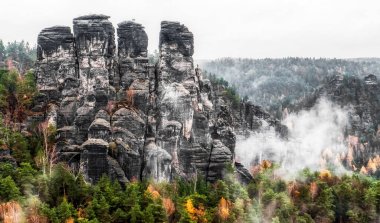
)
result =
(239, 28)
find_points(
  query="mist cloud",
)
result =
(316, 141)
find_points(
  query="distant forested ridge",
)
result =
(274, 83)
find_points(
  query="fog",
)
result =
(316, 141)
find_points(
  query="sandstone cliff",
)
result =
(118, 115)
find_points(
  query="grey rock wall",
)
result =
(118, 115)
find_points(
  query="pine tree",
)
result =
(2, 51)
(8, 189)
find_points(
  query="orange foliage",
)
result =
(373, 164)
(33, 212)
(11, 212)
(81, 213)
(155, 194)
(169, 206)
(130, 96)
(293, 190)
(313, 190)
(265, 164)
(363, 170)
(70, 220)
(196, 214)
(223, 209)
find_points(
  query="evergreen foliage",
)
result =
(275, 83)
(64, 196)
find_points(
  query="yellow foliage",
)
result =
(265, 164)
(223, 209)
(196, 214)
(155, 194)
(81, 213)
(325, 175)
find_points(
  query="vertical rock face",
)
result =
(56, 75)
(58, 83)
(177, 97)
(176, 51)
(190, 128)
(95, 47)
(120, 116)
(132, 53)
(95, 43)
(56, 61)
(130, 121)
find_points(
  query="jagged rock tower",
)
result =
(118, 115)
(115, 114)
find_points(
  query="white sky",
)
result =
(234, 28)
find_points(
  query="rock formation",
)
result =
(116, 114)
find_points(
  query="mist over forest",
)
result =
(94, 128)
(274, 84)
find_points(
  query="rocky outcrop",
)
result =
(117, 114)
(95, 48)
(5, 157)
(56, 63)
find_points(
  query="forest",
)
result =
(34, 187)
(18, 55)
(276, 83)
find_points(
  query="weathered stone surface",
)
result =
(103, 115)
(243, 174)
(115, 171)
(95, 44)
(83, 119)
(177, 93)
(93, 159)
(120, 116)
(5, 157)
(157, 162)
(128, 120)
(176, 38)
(220, 158)
(133, 41)
(176, 50)
(129, 160)
(56, 60)
(133, 65)
(100, 129)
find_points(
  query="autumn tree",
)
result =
(48, 157)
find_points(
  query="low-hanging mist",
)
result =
(316, 141)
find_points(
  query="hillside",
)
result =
(275, 83)
(93, 129)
